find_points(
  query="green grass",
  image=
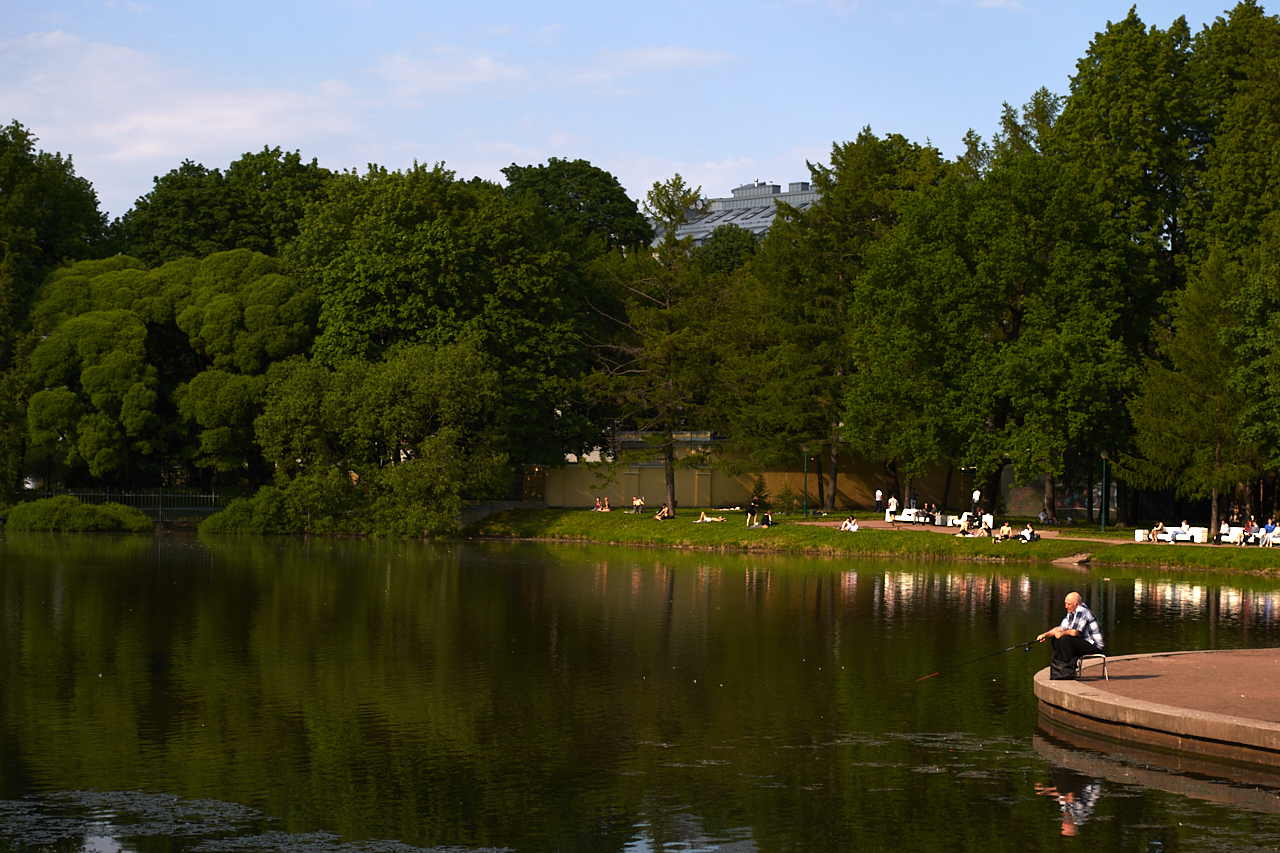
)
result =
(1217, 558)
(618, 528)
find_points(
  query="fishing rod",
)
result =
(1026, 646)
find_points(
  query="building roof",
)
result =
(752, 206)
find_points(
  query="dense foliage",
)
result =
(1102, 275)
(65, 513)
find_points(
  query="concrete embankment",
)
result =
(1218, 707)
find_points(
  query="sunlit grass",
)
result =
(790, 535)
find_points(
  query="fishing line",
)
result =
(1026, 646)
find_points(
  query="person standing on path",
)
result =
(977, 501)
(879, 500)
(1077, 635)
(892, 509)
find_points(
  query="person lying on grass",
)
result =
(704, 518)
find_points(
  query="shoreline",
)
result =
(876, 539)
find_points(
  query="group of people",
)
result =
(978, 526)
(1253, 533)
(849, 525)
(602, 506)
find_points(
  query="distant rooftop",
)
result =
(752, 207)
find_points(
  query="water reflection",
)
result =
(1166, 599)
(536, 698)
(1077, 797)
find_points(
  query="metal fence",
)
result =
(158, 504)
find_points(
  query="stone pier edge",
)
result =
(1090, 709)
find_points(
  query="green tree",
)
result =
(194, 211)
(1187, 415)
(789, 373)
(421, 257)
(589, 200)
(48, 215)
(193, 344)
(1235, 60)
(727, 249)
(1133, 131)
(387, 447)
(658, 366)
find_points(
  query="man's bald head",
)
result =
(1072, 601)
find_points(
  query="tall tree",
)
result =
(792, 373)
(421, 257)
(658, 364)
(1187, 414)
(589, 200)
(1134, 130)
(48, 215)
(193, 211)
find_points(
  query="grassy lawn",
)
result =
(626, 529)
(620, 528)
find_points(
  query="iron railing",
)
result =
(158, 504)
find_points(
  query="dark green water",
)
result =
(178, 694)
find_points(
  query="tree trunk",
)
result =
(669, 466)
(1050, 496)
(1088, 498)
(822, 499)
(946, 490)
(1213, 500)
(833, 474)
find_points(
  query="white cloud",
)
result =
(448, 72)
(125, 116)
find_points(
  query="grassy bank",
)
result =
(617, 528)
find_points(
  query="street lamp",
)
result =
(1106, 492)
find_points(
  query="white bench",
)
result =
(1199, 535)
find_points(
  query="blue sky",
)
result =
(723, 93)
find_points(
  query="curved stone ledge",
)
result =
(1089, 707)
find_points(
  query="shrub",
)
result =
(67, 513)
(787, 499)
(760, 492)
(268, 511)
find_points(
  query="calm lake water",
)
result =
(177, 694)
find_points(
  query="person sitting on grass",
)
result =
(664, 513)
(849, 525)
(766, 520)
(606, 508)
(704, 518)
(1005, 534)
(1028, 534)
(597, 507)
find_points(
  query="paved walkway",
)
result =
(1217, 705)
(1072, 532)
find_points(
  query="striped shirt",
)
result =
(1086, 623)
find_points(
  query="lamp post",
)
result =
(1106, 492)
(805, 449)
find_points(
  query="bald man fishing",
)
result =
(1078, 635)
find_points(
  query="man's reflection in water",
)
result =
(1077, 797)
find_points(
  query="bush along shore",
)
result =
(792, 535)
(66, 513)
